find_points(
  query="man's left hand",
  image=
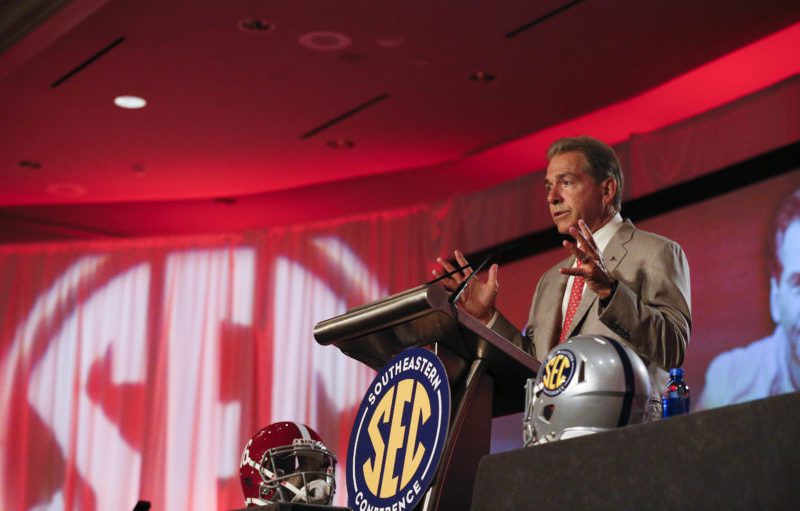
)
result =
(592, 268)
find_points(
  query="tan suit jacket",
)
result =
(650, 310)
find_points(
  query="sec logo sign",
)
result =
(558, 368)
(399, 433)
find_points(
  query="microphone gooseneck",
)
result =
(463, 285)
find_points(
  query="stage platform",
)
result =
(745, 456)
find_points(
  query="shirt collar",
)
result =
(604, 234)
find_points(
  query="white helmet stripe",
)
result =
(303, 431)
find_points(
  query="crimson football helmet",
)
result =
(287, 462)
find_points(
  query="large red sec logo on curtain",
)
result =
(399, 433)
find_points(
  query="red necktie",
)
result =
(574, 299)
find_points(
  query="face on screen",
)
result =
(573, 194)
(785, 293)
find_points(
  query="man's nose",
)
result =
(553, 197)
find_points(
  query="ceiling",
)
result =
(273, 113)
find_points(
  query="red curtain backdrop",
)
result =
(139, 368)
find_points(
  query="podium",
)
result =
(486, 372)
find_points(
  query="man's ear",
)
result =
(609, 188)
(774, 301)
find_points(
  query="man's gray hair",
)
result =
(602, 160)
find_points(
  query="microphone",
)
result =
(440, 277)
(461, 287)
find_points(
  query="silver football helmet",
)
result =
(585, 385)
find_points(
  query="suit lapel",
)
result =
(615, 251)
(552, 318)
(587, 300)
(553, 325)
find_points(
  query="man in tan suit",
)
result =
(635, 285)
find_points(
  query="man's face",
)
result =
(785, 293)
(573, 194)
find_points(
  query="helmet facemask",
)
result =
(301, 472)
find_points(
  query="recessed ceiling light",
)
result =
(130, 102)
(482, 77)
(324, 41)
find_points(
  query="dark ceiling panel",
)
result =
(261, 117)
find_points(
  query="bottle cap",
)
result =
(676, 372)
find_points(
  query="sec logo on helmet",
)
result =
(399, 433)
(557, 371)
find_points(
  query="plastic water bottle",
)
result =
(675, 398)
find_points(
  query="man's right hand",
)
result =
(479, 297)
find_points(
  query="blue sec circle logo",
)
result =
(399, 433)
(557, 371)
